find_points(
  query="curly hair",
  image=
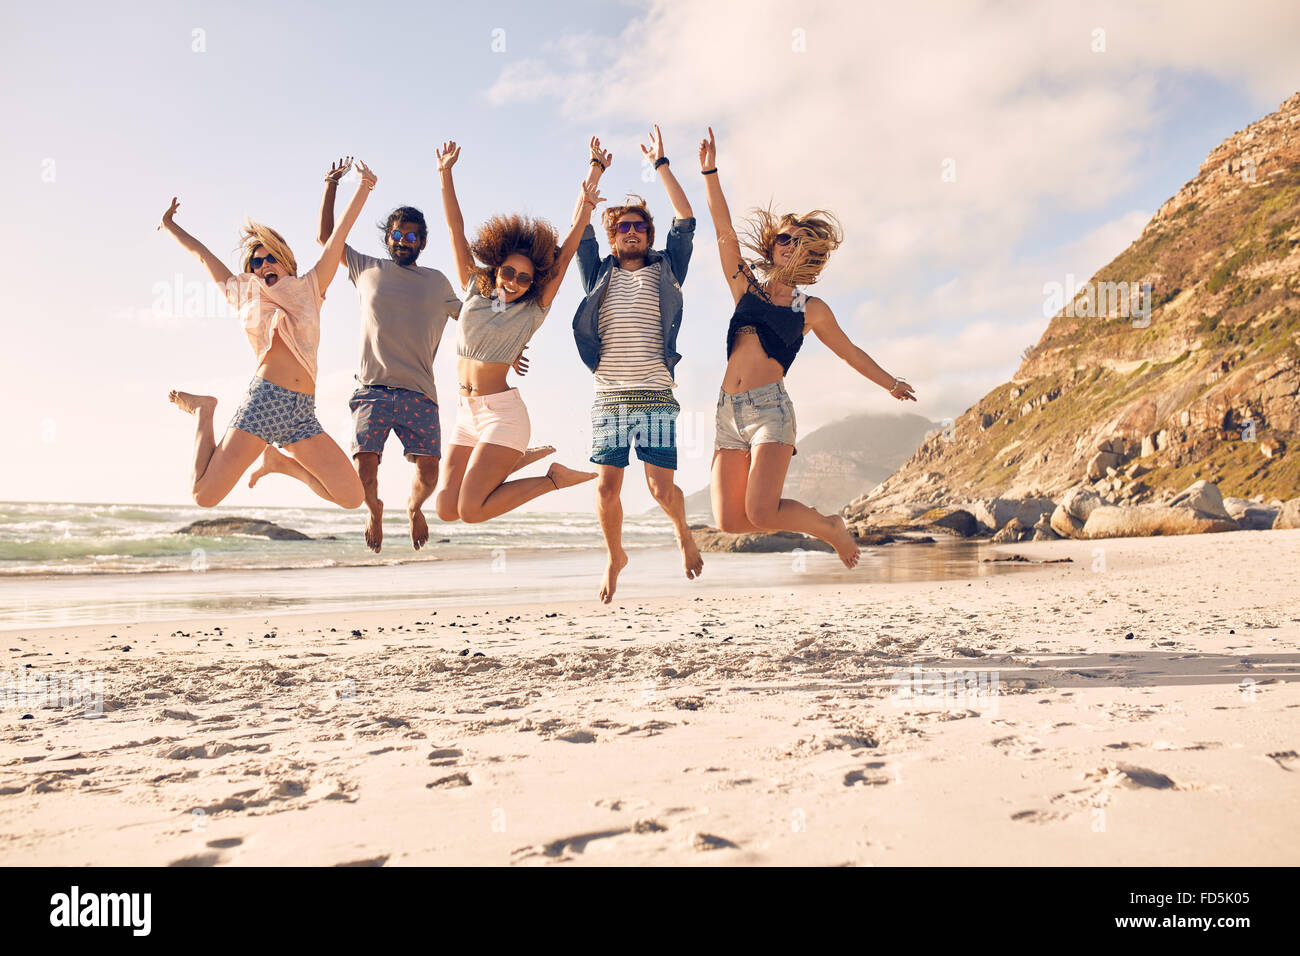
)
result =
(632, 203)
(254, 234)
(502, 236)
(809, 256)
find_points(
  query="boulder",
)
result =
(1250, 515)
(1065, 524)
(1140, 521)
(251, 527)
(1100, 462)
(1289, 515)
(1043, 530)
(1202, 496)
(1080, 502)
(957, 520)
(1011, 532)
(711, 539)
(996, 512)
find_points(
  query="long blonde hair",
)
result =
(810, 255)
(254, 234)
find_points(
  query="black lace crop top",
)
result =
(779, 327)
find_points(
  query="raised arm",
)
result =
(460, 253)
(728, 244)
(821, 320)
(601, 160)
(337, 170)
(332, 255)
(655, 152)
(588, 248)
(216, 268)
(590, 197)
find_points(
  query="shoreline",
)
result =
(762, 728)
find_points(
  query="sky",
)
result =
(974, 152)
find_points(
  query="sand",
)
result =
(704, 728)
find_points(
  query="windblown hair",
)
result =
(632, 203)
(501, 237)
(255, 234)
(809, 257)
(404, 214)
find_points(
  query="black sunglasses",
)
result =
(508, 273)
(398, 236)
(785, 238)
(640, 226)
(255, 263)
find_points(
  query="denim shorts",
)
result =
(759, 416)
(277, 415)
(644, 419)
(379, 409)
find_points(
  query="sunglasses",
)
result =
(398, 236)
(639, 226)
(508, 273)
(255, 263)
(785, 238)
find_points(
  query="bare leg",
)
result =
(216, 467)
(319, 464)
(450, 477)
(609, 509)
(765, 507)
(728, 483)
(426, 480)
(671, 499)
(367, 463)
(484, 492)
(536, 453)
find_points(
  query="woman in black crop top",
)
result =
(755, 418)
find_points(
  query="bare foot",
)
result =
(375, 526)
(192, 403)
(419, 527)
(563, 477)
(617, 562)
(536, 453)
(273, 461)
(691, 559)
(845, 545)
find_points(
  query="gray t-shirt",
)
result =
(404, 310)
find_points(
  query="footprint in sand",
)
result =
(450, 782)
(869, 776)
(198, 859)
(228, 843)
(372, 861)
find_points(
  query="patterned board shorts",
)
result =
(277, 415)
(644, 419)
(379, 409)
(758, 416)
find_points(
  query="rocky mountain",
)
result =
(835, 462)
(1178, 361)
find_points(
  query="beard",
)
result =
(404, 255)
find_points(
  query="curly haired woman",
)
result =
(755, 417)
(280, 312)
(506, 300)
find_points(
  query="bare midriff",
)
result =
(749, 366)
(280, 367)
(481, 378)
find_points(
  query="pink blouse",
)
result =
(291, 307)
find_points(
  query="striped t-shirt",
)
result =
(631, 332)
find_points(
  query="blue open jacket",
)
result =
(595, 271)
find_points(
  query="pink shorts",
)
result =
(499, 419)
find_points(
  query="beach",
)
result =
(1136, 705)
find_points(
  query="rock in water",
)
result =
(1011, 532)
(221, 527)
(957, 520)
(711, 539)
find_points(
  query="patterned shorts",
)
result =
(277, 415)
(640, 418)
(379, 409)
